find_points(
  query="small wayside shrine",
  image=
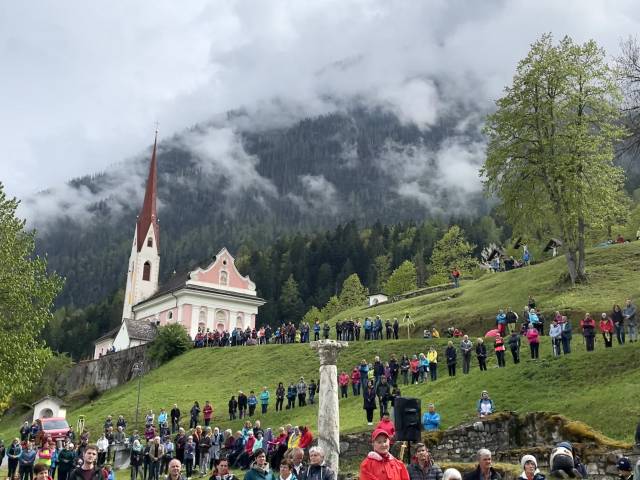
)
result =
(216, 296)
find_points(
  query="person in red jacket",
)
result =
(355, 381)
(380, 464)
(343, 381)
(306, 437)
(533, 336)
(387, 425)
(207, 412)
(588, 326)
(606, 328)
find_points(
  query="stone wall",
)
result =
(108, 371)
(509, 436)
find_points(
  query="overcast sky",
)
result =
(83, 83)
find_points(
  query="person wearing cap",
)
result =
(424, 468)
(530, 470)
(625, 471)
(484, 470)
(563, 463)
(380, 464)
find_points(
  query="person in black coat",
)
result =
(452, 358)
(369, 405)
(481, 353)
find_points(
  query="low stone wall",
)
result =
(108, 371)
(509, 436)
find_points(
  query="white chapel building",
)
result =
(217, 296)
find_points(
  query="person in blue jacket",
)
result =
(501, 322)
(431, 419)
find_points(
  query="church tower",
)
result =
(144, 262)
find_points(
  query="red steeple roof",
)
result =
(148, 214)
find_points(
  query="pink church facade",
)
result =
(217, 297)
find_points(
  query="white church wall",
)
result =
(121, 341)
(101, 348)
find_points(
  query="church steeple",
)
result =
(148, 214)
(144, 262)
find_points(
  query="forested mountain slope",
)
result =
(231, 183)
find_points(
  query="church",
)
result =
(216, 296)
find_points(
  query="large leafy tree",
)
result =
(403, 279)
(452, 250)
(27, 293)
(550, 151)
(353, 294)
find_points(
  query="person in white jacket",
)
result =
(555, 332)
(103, 448)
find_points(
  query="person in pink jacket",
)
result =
(355, 381)
(534, 340)
(343, 381)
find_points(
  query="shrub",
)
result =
(172, 340)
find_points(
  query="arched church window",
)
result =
(170, 315)
(202, 316)
(221, 317)
(146, 271)
(149, 242)
(224, 277)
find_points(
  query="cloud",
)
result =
(83, 86)
(443, 179)
(318, 195)
(220, 154)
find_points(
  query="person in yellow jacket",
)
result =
(294, 439)
(45, 454)
(432, 356)
(435, 333)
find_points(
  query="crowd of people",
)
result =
(200, 450)
(166, 444)
(371, 328)
(289, 455)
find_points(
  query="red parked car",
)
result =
(54, 428)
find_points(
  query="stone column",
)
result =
(328, 408)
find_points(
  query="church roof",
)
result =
(148, 214)
(109, 334)
(179, 282)
(141, 330)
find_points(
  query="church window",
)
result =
(170, 315)
(146, 271)
(149, 242)
(224, 278)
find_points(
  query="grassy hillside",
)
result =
(595, 388)
(613, 276)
